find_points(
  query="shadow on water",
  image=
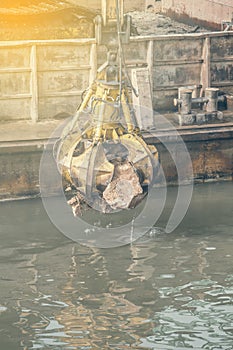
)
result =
(165, 291)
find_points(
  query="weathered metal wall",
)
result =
(19, 174)
(208, 12)
(41, 79)
(174, 61)
(211, 151)
(221, 62)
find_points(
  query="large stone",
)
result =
(123, 188)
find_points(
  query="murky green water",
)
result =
(167, 291)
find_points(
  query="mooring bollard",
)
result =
(186, 98)
(207, 109)
(211, 95)
(194, 88)
(184, 102)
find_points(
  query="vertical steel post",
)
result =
(34, 85)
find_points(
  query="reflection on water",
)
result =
(166, 291)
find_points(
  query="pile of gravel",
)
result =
(151, 23)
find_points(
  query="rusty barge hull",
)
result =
(210, 148)
(41, 83)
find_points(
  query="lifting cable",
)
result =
(119, 45)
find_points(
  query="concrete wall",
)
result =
(96, 4)
(207, 12)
